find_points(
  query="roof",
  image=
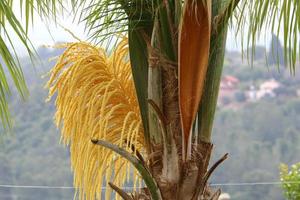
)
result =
(231, 79)
(270, 84)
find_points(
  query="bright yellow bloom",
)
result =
(96, 99)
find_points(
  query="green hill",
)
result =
(258, 136)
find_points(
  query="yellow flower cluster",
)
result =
(96, 99)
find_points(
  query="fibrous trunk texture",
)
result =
(192, 182)
(176, 177)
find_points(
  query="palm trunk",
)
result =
(179, 178)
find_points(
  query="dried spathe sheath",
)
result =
(194, 44)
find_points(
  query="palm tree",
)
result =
(9, 62)
(151, 102)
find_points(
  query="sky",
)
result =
(44, 33)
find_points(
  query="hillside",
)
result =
(257, 133)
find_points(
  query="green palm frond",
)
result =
(110, 17)
(9, 58)
(260, 18)
(251, 19)
(44, 8)
(10, 65)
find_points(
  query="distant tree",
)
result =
(290, 181)
(257, 52)
(6, 177)
(293, 107)
(240, 96)
(284, 91)
(225, 100)
(276, 52)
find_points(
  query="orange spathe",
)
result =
(194, 44)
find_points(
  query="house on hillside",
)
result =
(229, 82)
(224, 196)
(228, 88)
(266, 89)
(251, 93)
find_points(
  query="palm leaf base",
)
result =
(193, 177)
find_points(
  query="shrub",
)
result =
(290, 179)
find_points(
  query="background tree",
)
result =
(176, 53)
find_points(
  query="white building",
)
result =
(267, 89)
(224, 196)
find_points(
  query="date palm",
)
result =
(150, 103)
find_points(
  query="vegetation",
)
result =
(32, 153)
(176, 52)
(290, 181)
